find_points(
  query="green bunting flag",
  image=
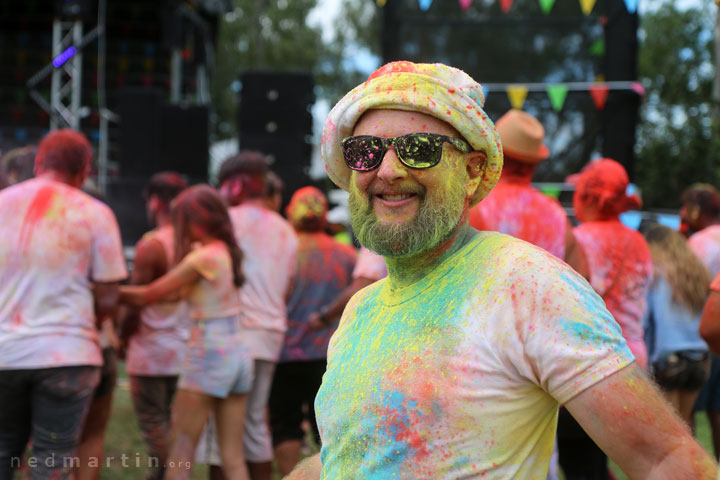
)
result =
(557, 94)
(546, 5)
(597, 48)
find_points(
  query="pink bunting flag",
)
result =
(638, 88)
(505, 5)
(465, 5)
(599, 94)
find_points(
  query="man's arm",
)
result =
(149, 263)
(105, 297)
(630, 421)
(308, 469)
(574, 253)
(710, 322)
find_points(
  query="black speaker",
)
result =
(155, 136)
(125, 197)
(274, 118)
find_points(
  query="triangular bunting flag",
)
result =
(587, 6)
(638, 88)
(599, 93)
(485, 90)
(381, 3)
(424, 4)
(557, 94)
(631, 5)
(546, 5)
(517, 94)
(465, 5)
(505, 5)
(597, 48)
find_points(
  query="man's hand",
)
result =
(308, 469)
(316, 321)
(628, 418)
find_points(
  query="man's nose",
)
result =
(391, 169)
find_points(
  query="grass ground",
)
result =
(123, 437)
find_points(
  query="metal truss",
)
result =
(66, 84)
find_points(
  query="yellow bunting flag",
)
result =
(517, 95)
(587, 6)
(381, 3)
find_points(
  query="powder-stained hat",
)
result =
(604, 183)
(522, 137)
(308, 203)
(444, 92)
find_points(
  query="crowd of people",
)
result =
(480, 332)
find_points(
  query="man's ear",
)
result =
(475, 163)
(236, 187)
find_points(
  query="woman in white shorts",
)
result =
(217, 373)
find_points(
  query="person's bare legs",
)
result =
(190, 411)
(93, 438)
(229, 423)
(287, 455)
(686, 403)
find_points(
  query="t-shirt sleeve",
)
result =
(715, 284)
(206, 260)
(565, 339)
(107, 258)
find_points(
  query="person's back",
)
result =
(523, 212)
(620, 270)
(270, 247)
(54, 238)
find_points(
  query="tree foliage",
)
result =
(276, 35)
(677, 140)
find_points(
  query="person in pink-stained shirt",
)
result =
(270, 245)
(156, 334)
(516, 208)
(620, 272)
(700, 220)
(60, 263)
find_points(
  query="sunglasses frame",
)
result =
(459, 144)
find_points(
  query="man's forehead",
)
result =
(420, 122)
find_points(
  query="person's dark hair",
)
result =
(203, 206)
(19, 162)
(251, 168)
(705, 197)
(65, 150)
(274, 184)
(166, 186)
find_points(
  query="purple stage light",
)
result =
(64, 57)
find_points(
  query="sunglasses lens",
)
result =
(418, 150)
(363, 153)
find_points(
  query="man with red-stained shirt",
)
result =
(60, 263)
(515, 207)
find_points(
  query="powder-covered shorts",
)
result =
(217, 359)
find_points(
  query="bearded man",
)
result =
(454, 365)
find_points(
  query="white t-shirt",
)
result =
(460, 375)
(158, 347)
(269, 246)
(55, 241)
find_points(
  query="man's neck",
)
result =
(253, 202)
(58, 176)
(162, 219)
(408, 270)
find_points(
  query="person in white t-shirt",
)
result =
(156, 334)
(454, 366)
(270, 245)
(61, 260)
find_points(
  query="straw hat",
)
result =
(522, 137)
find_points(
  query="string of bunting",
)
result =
(545, 5)
(557, 92)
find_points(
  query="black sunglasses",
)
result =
(415, 150)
